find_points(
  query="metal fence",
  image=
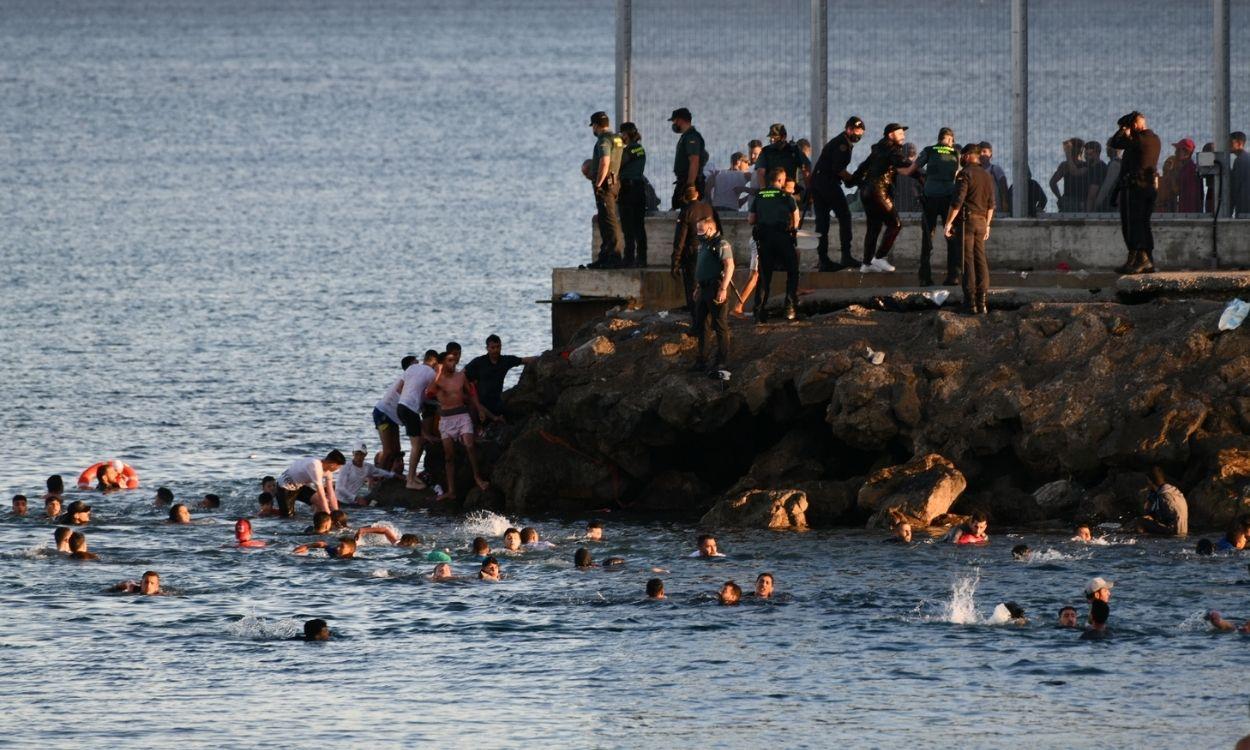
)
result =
(740, 65)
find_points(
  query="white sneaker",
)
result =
(867, 269)
(883, 265)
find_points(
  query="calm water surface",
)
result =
(224, 223)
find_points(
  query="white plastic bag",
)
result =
(1234, 313)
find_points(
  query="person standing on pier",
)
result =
(713, 271)
(876, 177)
(827, 180)
(1138, 189)
(974, 200)
(940, 162)
(775, 217)
(691, 157)
(783, 154)
(633, 198)
(604, 172)
(686, 240)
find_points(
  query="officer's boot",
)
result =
(1124, 267)
(1139, 264)
(822, 254)
(1150, 261)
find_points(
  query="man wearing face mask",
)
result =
(605, 166)
(691, 157)
(713, 271)
(783, 154)
(827, 180)
(876, 178)
(775, 217)
(973, 202)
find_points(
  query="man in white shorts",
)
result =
(455, 423)
(309, 480)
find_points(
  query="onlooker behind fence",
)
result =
(690, 158)
(633, 197)
(1239, 176)
(1072, 171)
(1037, 196)
(1000, 178)
(1138, 177)
(1180, 188)
(754, 147)
(940, 162)
(729, 186)
(1106, 200)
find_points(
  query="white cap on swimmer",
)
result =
(1098, 584)
(360, 448)
(117, 464)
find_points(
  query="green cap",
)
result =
(438, 556)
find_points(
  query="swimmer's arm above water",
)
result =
(388, 532)
(303, 548)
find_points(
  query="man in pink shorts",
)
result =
(455, 423)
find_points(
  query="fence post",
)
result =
(1220, 117)
(624, 60)
(1020, 107)
(819, 74)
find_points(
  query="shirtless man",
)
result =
(148, 585)
(455, 423)
(78, 547)
(243, 534)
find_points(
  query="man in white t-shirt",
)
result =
(386, 420)
(417, 379)
(309, 480)
(355, 474)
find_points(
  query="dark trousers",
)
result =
(612, 240)
(1136, 203)
(936, 207)
(286, 499)
(881, 213)
(976, 266)
(633, 204)
(776, 248)
(706, 310)
(687, 276)
(679, 187)
(824, 201)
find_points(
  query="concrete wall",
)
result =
(1039, 244)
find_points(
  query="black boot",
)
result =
(1124, 267)
(1139, 264)
(847, 261)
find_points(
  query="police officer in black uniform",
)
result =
(973, 205)
(690, 159)
(1138, 188)
(775, 217)
(633, 199)
(605, 166)
(784, 154)
(827, 180)
(876, 179)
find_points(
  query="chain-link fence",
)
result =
(740, 65)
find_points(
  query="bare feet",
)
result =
(416, 484)
(482, 483)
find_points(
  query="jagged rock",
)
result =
(829, 503)
(543, 471)
(860, 411)
(1160, 437)
(1224, 493)
(592, 351)
(478, 499)
(1057, 497)
(919, 490)
(760, 509)
(394, 493)
(673, 491)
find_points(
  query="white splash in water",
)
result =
(962, 607)
(380, 573)
(484, 523)
(378, 540)
(1051, 555)
(256, 629)
(1000, 616)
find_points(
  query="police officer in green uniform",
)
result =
(940, 163)
(604, 175)
(775, 218)
(633, 200)
(690, 159)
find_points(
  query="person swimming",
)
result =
(339, 520)
(1068, 617)
(210, 502)
(61, 537)
(243, 535)
(582, 558)
(179, 514)
(1083, 534)
(1225, 626)
(1205, 548)
(343, 549)
(901, 535)
(1099, 613)
(56, 488)
(529, 538)
(316, 630)
(1021, 552)
(442, 572)
(148, 585)
(164, 496)
(321, 523)
(19, 505)
(52, 507)
(1015, 614)
(655, 589)
(1235, 538)
(594, 531)
(489, 570)
(78, 547)
(481, 549)
(265, 506)
(974, 531)
(392, 536)
(707, 547)
(512, 540)
(78, 514)
(408, 540)
(730, 594)
(764, 586)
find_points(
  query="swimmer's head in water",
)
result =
(338, 519)
(1083, 533)
(243, 530)
(265, 500)
(150, 584)
(19, 505)
(582, 559)
(180, 514)
(408, 540)
(655, 589)
(1015, 610)
(164, 496)
(902, 530)
(1067, 617)
(77, 542)
(707, 545)
(442, 572)
(512, 539)
(1098, 589)
(268, 484)
(1020, 552)
(1205, 547)
(978, 523)
(346, 548)
(730, 593)
(321, 522)
(55, 484)
(480, 546)
(764, 585)
(490, 569)
(594, 531)
(52, 507)
(210, 501)
(61, 536)
(78, 512)
(529, 534)
(316, 630)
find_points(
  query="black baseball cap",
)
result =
(854, 123)
(892, 127)
(681, 113)
(599, 118)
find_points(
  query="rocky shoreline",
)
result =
(1041, 416)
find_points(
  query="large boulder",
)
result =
(1058, 497)
(1224, 493)
(760, 509)
(544, 471)
(919, 490)
(592, 351)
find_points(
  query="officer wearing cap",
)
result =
(604, 171)
(775, 217)
(1138, 189)
(690, 159)
(940, 163)
(828, 177)
(876, 179)
(784, 154)
(973, 204)
(633, 200)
